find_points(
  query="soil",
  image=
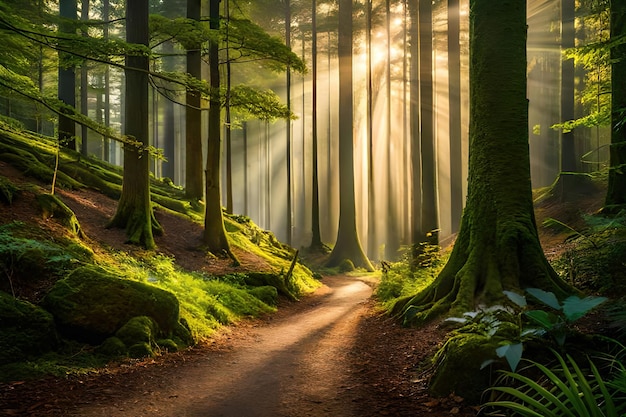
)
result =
(331, 354)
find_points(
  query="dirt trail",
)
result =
(294, 366)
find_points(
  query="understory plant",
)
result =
(524, 323)
(564, 388)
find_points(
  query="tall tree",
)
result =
(497, 247)
(84, 86)
(454, 97)
(193, 115)
(347, 246)
(429, 227)
(288, 156)
(616, 192)
(568, 146)
(67, 76)
(316, 236)
(214, 235)
(134, 211)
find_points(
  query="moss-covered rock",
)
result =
(140, 350)
(168, 345)
(136, 330)
(25, 330)
(458, 363)
(112, 347)
(91, 304)
(260, 279)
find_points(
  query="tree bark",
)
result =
(616, 192)
(134, 210)
(214, 235)
(67, 79)
(454, 94)
(497, 247)
(193, 118)
(316, 236)
(347, 245)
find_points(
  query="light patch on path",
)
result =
(295, 366)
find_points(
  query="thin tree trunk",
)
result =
(214, 232)
(84, 88)
(288, 156)
(67, 79)
(454, 98)
(616, 192)
(193, 117)
(316, 238)
(430, 208)
(568, 144)
(372, 236)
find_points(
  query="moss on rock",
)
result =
(457, 366)
(91, 304)
(25, 330)
(112, 347)
(138, 329)
(140, 350)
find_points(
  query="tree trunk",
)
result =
(193, 117)
(288, 125)
(84, 88)
(372, 239)
(347, 245)
(316, 236)
(429, 228)
(568, 144)
(616, 192)
(497, 248)
(134, 211)
(67, 79)
(454, 94)
(214, 232)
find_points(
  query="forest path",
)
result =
(296, 365)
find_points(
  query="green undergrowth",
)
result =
(402, 279)
(60, 283)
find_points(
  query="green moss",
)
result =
(346, 266)
(25, 330)
(457, 366)
(8, 190)
(140, 350)
(136, 330)
(52, 207)
(91, 304)
(168, 345)
(112, 347)
(267, 294)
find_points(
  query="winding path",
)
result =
(293, 366)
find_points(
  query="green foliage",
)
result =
(564, 389)
(595, 262)
(400, 279)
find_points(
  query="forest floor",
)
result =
(331, 354)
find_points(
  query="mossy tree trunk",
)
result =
(134, 210)
(497, 247)
(347, 245)
(214, 232)
(616, 193)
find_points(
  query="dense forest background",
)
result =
(410, 95)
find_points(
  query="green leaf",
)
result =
(575, 307)
(545, 297)
(518, 299)
(512, 353)
(543, 318)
